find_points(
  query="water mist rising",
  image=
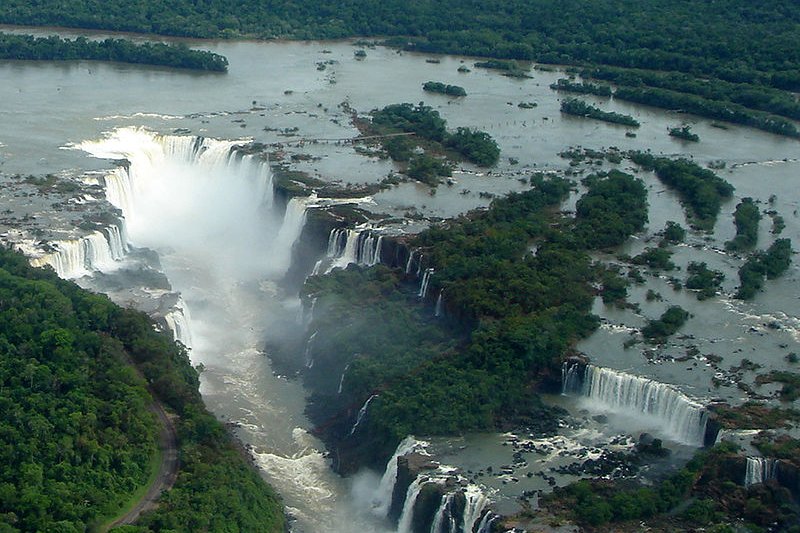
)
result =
(224, 244)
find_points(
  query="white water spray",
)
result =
(759, 470)
(679, 417)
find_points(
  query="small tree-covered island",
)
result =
(435, 268)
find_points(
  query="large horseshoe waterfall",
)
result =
(225, 243)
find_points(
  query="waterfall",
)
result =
(444, 521)
(570, 379)
(291, 228)
(80, 257)
(423, 286)
(341, 379)
(410, 262)
(309, 357)
(185, 194)
(438, 311)
(759, 470)
(178, 322)
(362, 413)
(116, 242)
(680, 417)
(486, 523)
(476, 502)
(406, 517)
(361, 246)
(308, 315)
(383, 497)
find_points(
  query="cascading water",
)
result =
(423, 286)
(309, 356)
(362, 413)
(341, 379)
(476, 503)
(404, 525)
(759, 470)
(679, 417)
(80, 257)
(445, 521)
(225, 244)
(410, 262)
(449, 517)
(487, 522)
(360, 246)
(383, 495)
(570, 378)
(177, 321)
(439, 304)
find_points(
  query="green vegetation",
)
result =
(764, 38)
(511, 315)
(704, 280)
(476, 146)
(782, 447)
(706, 492)
(573, 106)
(615, 287)
(768, 264)
(655, 258)
(423, 154)
(746, 103)
(668, 323)
(613, 209)
(439, 87)
(701, 191)
(734, 61)
(566, 85)
(122, 50)
(77, 437)
(707, 108)
(673, 234)
(508, 68)
(684, 132)
(778, 224)
(791, 383)
(746, 219)
(427, 169)
(754, 415)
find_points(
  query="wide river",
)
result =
(284, 91)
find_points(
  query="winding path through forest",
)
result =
(167, 470)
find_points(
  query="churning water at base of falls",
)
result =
(209, 215)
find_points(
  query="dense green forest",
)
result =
(516, 286)
(733, 60)
(429, 150)
(574, 106)
(769, 264)
(735, 40)
(746, 219)
(76, 437)
(122, 50)
(706, 493)
(701, 191)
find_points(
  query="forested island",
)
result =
(53, 48)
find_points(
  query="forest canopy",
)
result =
(734, 40)
(76, 435)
